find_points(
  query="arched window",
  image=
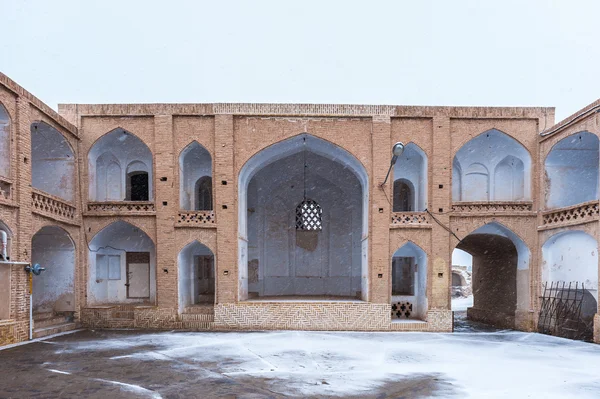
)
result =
(4, 142)
(204, 194)
(138, 188)
(403, 196)
(309, 216)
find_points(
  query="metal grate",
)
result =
(560, 311)
(309, 216)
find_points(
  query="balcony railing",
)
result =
(580, 213)
(506, 207)
(52, 206)
(196, 219)
(128, 207)
(410, 219)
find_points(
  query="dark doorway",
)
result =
(204, 194)
(138, 188)
(403, 196)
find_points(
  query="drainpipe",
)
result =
(4, 238)
(31, 270)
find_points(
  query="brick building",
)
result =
(274, 216)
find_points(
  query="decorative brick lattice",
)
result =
(409, 218)
(402, 310)
(486, 207)
(121, 206)
(571, 215)
(439, 320)
(309, 216)
(196, 219)
(12, 331)
(332, 316)
(52, 206)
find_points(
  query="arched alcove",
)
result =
(196, 277)
(411, 169)
(113, 161)
(4, 142)
(409, 281)
(54, 289)
(195, 178)
(52, 162)
(501, 277)
(122, 266)
(571, 257)
(491, 167)
(572, 171)
(276, 258)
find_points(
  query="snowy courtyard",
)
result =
(128, 364)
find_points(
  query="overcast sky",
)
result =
(504, 53)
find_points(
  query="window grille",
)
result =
(309, 216)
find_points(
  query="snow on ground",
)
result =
(461, 304)
(503, 364)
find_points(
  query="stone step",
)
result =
(43, 316)
(197, 317)
(196, 325)
(55, 329)
(47, 322)
(124, 314)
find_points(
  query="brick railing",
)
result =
(493, 206)
(196, 219)
(400, 219)
(121, 207)
(587, 211)
(52, 206)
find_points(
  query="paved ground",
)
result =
(133, 364)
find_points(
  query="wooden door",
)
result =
(138, 275)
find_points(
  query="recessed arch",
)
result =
(196, 275)
(571, 170)
(133, 157)
(501, 274)
(483, 154)
(411, 167)
(52, 162)
(195, 174)
(5, 127)
(409, 281)
(277, 172)
(122, 266)
(53, 290)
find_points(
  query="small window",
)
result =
(108, 267)
(309, 216)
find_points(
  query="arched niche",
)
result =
(122, 266)
(196, 277)
(117, 157)
(195, 178)
(52, 162)
(411, 169)
(54, 289)
(501, 275)
(4, 142)
(409, 280)
(276, 258)
(572, 171)
(5, 271)
(482, 165)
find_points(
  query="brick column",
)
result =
(22, 195)
(225, 211)
(439, 204)
(166, 208)
(380, 212)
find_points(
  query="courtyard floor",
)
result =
(253, 365)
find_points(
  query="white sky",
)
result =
(505, 53)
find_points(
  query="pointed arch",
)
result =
(130, 153)
(52, 162)
(122, 265)
(195, 163)
(279, 166)
(411, 167)
(196, 275)
(5, 128)
(571, 170)
(409, 281)
(484, 153)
